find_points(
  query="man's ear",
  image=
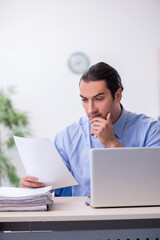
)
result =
(118, 95)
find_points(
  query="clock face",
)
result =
(78, 62)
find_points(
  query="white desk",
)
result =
(71, 219)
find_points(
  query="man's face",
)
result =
(97, 99)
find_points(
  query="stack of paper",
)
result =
(22, 199)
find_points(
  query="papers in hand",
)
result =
(42, 160)
(23, 199)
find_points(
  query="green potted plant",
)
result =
(12, 122)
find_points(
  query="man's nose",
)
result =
(91, 107)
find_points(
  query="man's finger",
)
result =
(97, 119)
(108, 118)
(31, 184)
(30, 179)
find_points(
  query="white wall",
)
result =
(38, 36)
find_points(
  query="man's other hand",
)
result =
(31, 182)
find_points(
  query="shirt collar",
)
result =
(120, 123)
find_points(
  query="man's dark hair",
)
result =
(103, 71)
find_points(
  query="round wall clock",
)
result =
(78, 62)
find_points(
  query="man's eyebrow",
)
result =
(82, 96)
(99, 94)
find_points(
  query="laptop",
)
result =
(123, 177)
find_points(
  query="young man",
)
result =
(107, 125)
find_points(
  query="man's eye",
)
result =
(99, 99)
(84, 100)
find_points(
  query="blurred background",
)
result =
(37, 37)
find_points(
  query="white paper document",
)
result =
(42, 160)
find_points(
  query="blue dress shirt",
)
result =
(74, 143)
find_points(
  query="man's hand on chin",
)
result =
(104, 130)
